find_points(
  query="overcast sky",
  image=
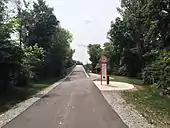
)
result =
(88, 21)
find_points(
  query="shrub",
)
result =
(33, 61)
(10, 63)
(158, 72)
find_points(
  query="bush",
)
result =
(122, 70)
(10, 63)
(158, 72)
(31, 65)
(33, 61)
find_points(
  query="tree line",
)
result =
(33, 45)
(139, 43)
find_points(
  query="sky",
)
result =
(87, 20)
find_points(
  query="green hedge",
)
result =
(158, 72)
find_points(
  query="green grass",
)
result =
(15, 95)
(155, 108)
(129, 80)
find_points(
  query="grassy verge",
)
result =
(15, 95)
(129, 80)
(155, 108)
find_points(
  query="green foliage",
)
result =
(60, 54)
(40, 29)
(10, 63)
(95, 51)
(109, 48)
(158, 72)
(44, 47)
(42, 25)
(125, 57)
(139, 41)
(33, 61)
(10, 54)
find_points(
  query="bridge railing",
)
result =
(70, 69)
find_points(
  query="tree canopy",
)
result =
(94, 51)
(139, 42)
(41, 47)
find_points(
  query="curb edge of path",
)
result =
(85, 72)
(19, 108)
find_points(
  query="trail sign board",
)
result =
(103, 68)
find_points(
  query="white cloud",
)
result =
(87, 21)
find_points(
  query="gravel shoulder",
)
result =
(127, 113)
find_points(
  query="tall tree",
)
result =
(43, 25)
(60, 53)
(94, 51)
(10, 54)
(140, 40)
(110, 51)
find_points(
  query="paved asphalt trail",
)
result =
(76, 103)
